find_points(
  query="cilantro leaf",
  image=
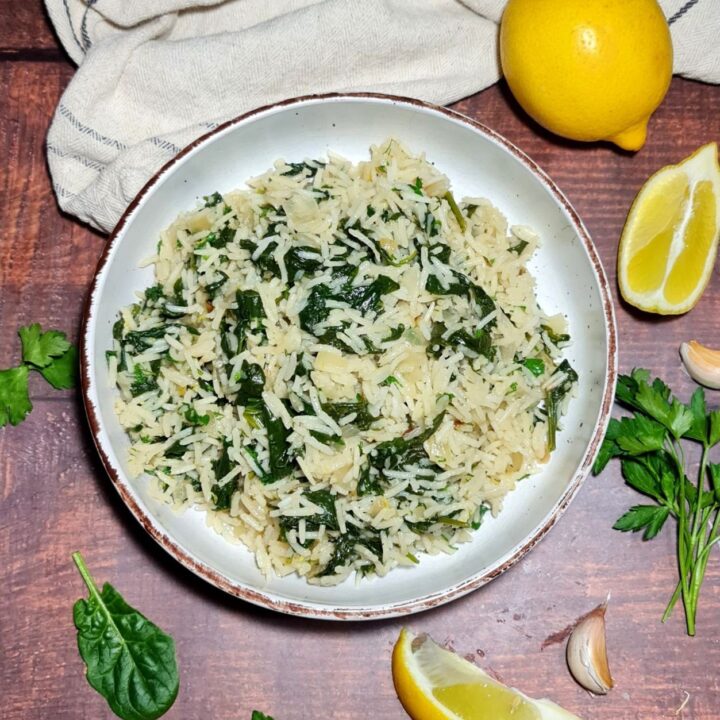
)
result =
(62, 371)
(257, 715)
(14, 399)
(651, 518)
(39, 348)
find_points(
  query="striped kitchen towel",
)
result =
(155, 74)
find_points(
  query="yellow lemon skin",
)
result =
(588, 69)
(412, 697)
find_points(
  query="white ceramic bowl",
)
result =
(478, 162)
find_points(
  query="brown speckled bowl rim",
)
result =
(313, 609)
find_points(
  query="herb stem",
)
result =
(456, 211)
(684, 547)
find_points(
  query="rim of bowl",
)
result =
(312, 609)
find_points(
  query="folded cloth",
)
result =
(154, 75)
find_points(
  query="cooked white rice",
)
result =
(340, 365)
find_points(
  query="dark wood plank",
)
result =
(24, 25)
(46, 259)
(56, 498)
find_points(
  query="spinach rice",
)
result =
(342, 365)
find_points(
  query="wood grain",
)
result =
(55, 498)
(25, 31)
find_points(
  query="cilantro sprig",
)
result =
(652, 446)
(48, 353)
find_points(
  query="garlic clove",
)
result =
(702, 363)
(587, 653)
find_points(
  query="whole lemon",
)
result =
(588, 69)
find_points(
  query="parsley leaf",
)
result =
(39, 348)
(14, 399)
(48, 353)
(640, 434)
(643, 517)
(651, 445)
(61, 373)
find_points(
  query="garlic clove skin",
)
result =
(587, 653)
(702, 363)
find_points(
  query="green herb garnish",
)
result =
(652, 446)
(48, 353)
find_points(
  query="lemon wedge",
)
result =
(668, 246)
(436, 684)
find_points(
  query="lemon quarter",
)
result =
(669, 243)
(436, 684)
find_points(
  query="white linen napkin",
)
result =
(155, 74)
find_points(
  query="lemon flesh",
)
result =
(590, 70)
(435, 684)
(668, 247)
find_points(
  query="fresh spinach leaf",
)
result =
(130, 661)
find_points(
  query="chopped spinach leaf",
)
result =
(212, 200)
(140, 340)
(394, 334)
(478, 342)
(212, 288)
(154, 293)
(338, 410)
(535, 365)
(518, 247)
(554, 337)
(143, 382)
(192, 416)
(222, 494)
(554, 397)
(176, 450)
(252, 382)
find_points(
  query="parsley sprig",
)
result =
(652, 445)
(48, 353)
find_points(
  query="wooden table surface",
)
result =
(55, 497)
